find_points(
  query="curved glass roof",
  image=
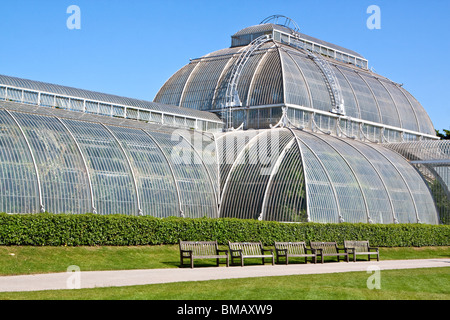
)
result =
(281, 75)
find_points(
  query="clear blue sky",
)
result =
(130, 48)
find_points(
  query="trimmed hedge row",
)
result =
(121, 230)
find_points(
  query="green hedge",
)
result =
(121, 230)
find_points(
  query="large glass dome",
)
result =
(305, 75)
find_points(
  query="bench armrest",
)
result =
(372, 248)
(350, 250)
(189, 252)
(238, 251)
(267, 250)
(281, 251)
(222, 251)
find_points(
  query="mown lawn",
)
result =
(411, 284)
(16, 260)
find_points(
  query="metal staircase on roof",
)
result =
(232, 94)
(332, 83)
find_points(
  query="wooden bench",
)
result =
(357, 247)
(294, 249)
(242, 250)
(324, 249)
(201, 250)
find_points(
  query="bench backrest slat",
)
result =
(327, 247)
(360, 246)
(199, 247)
(248, 248)
(292, 247)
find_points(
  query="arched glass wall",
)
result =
(52, 161)
(320, 178)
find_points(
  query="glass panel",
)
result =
(426, 126)
(200, 88)
(111, 179)
(286, 198)
(77, 105)
(351, 201)
(322, 203)
(197, 193)
(267, 86)
(47, 100)
(2, 93)
(405, 110)
(158, 196)
(397, 189)
(30, 97)
(372, 186)
(367, 105)
(388, 109)
(426, 209)
(171, 91)
(351, 106)
(105, 109)
(244, 195)
(17, 175)
(316, 82)
(64, 183)
(296, 90)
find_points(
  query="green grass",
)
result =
(16, 260)
(414, 284)
(411, 284)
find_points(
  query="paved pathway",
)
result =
(92, 279)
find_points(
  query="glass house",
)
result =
(280, 126)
